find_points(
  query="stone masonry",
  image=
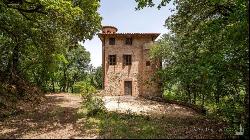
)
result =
(129, 76)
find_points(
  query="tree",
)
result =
(74, 68)
(97, 79)
(210, 55)
(36, 31)
(36, 37)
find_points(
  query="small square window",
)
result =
(111, 41)
(127, 60)
(112, 59)
(128, 41)
(147, 63)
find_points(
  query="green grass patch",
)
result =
(112, 125)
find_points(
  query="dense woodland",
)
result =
(39, 49)
(205, 54)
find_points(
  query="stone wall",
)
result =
(140, 74)
(150, 84)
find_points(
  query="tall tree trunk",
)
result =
(72, 88)
(203, 98)
(246, 102)
(7, 72)
(53, 83)
(64, 80)
(189, 93)
(218, 91)
(217, 98)
(194, 100)
(246, 117)
(67, 86)
(14, 63)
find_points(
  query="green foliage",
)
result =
(84, 87)
(75, 70)
(39, 40)
(206, 55)
(39, 45)
(174, 94)
(93, 103)
(96, 77)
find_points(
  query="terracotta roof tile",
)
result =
(134, 34)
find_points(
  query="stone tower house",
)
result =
(127, 68)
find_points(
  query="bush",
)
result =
(172, 95)
(91, 101)
(83, 87)
(93, 104)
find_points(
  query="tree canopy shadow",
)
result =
(50, 116)
(113, 125)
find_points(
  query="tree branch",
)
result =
(24, 15)
(38, 8)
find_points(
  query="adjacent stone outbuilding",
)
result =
(127, 68)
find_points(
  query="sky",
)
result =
(122, 15)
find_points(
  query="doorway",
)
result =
(127, 87)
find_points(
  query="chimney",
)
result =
(109, 29)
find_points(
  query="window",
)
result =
(111, 41)
(147, 63)
(127, 60)
(128, 41)
(112, 59)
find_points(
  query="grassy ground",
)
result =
(115, 125)
(61, 116)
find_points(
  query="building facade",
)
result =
(127, 67)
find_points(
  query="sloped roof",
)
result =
(155, 35)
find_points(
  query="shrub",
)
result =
(91, 101)
(84, 87)
(93, 104)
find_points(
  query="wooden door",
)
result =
(127, 87)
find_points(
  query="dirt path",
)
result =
(55, 118)
(58, 118)
(145, 107)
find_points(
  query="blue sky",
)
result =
(122, 15)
